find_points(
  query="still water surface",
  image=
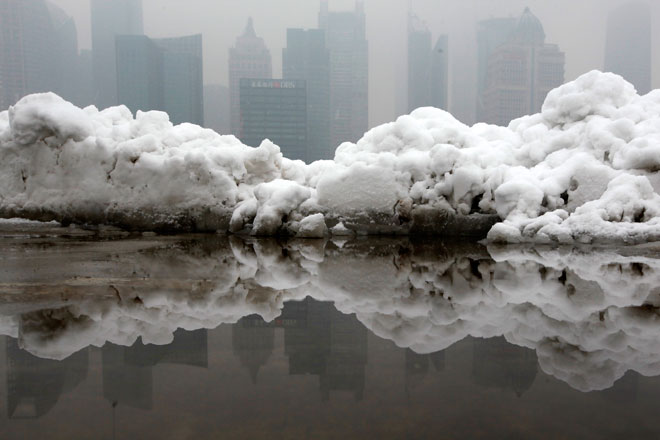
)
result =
(214, 337)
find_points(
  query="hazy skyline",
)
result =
(580, 34)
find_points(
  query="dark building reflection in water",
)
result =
(498, 363)
(128, 371)
(252, 342)
(419, 365)
(318, 340)
(34, 385)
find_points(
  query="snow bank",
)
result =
(590, 317)
(584, 169)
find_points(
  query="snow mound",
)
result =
(583, 169)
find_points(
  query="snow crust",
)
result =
(589, 316)
(585, 169)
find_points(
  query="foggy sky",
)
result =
(577, 26)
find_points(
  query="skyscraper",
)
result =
(440, 73)
(277, 110)
(628, 44)
(306, 57)
(249, 58)
(491, 34)
(521, 72)
(38, 46)
(428, 67)
(162, 74)
(183, 78)
(419, 63)
(349, 72)
(139, 78)
(109, 19)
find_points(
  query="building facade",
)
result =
(428, 67)
(139, 73)
(275, 109)
(162, 74)
(307, 58)
(491, 34)
(440, 73)
(183, 78)
(521, 72)
(249, 58)
(628, 44)
(345, 34)
(419, 63)
(111, 18)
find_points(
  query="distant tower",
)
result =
(427, 67)
(628, 44)
(249, 58)
(491, 34)
(419, 63)
(440, 73)
(345, 34)
(161, 74)
(306, 57)
(38, 50)
(277, 110)
(111, 18)
(521, 72)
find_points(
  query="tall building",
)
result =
(628, 44)
(307, 58)
(521, 72)
(491, 34)
(277, 110)
(163, 74)
(139, 77)
(349, 72)
(249, 58)
(419, 63)
(111, 18)
(216, 108)
(38, 50)
(428, 67)
(183, 78)
(440, 73)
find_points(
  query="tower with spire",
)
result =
(249, 58)
(520, 72)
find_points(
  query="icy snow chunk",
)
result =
(276, 200)
(312, 226)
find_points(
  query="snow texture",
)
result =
(590, 317)
(584, 169)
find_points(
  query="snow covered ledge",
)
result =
(584, 169)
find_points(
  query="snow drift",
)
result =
(584, 169)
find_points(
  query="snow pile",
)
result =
(584, 169)
(589, 317)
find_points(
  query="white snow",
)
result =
(584, 169)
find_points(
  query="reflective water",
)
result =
(214, 337)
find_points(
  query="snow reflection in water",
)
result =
(590, 316)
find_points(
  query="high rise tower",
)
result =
(345, 34)
(111, 18)
(249, 58)
(521, 72)
(628, 44)
(306, 57)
